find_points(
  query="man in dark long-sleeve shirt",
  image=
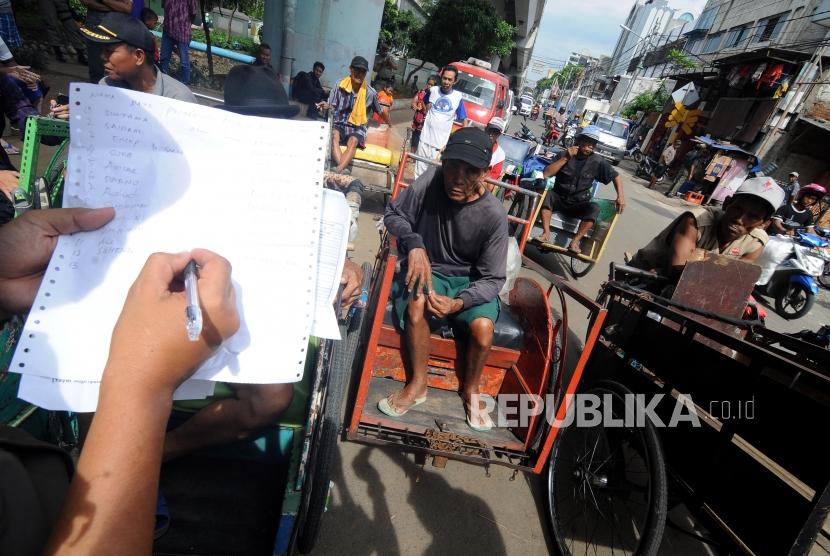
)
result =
(452, 235)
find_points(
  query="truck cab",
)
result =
(486, 93)
(613, 134)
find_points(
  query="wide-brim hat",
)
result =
(256, 91)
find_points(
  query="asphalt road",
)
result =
(387, 502)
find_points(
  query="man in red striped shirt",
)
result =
(178, 15)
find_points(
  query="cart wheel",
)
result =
(607, 486)
(318, 479)
(520, 208)
(795, 301)
(580, 268)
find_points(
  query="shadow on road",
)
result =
(455, 520)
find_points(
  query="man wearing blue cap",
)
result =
(452, 239)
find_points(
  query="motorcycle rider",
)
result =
(495, 127)
(576, 170)
(798, 210)
(735, 230)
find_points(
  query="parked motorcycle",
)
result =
(789, 269)
(824, 279)
(635, 153)
(645, 169)
(525, 134)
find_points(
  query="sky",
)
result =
(589, 26)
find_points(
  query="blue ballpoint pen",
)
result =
(193, 311)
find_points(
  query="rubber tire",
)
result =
(582, 271)
(656, 520)
(638, 157)
(615, 162)
(519, 207)
(824, 279)
(339, 374)
(779, 301)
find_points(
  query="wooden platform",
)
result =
(441, 405)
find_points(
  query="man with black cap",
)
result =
(128, 48)
(353, 100)
(452, 240)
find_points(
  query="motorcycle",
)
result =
(789, 269)
(552, 135)
(570, 136)
(824, 279)
(645, 169)
(635, 153)
(525, 134)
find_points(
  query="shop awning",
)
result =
(762, 54)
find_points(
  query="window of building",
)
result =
(712, 43)
(707, 18)
(770, 28)
(737, 36)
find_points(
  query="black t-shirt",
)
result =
(804, 218)
(605, 172)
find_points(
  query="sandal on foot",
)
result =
(483, 415)
(162, 516)
(387, 407)
(574, 249)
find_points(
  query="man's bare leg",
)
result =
(478, 347)
(348, 156)
(335, 147)
(584, 227)
(546, 216)
(416, 336)
(230, 419)
(652, 182)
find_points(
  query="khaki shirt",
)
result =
(657, 254)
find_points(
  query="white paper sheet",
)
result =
(81, 396)
(182, 176)
(334, 238)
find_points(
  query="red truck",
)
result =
(486, 93)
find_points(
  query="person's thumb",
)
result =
(71, 220)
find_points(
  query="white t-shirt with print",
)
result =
(443, 112)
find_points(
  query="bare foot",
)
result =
(544, 237)
(574, 247)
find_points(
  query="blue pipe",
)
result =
(221, 52)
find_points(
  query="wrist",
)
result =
(457, 304)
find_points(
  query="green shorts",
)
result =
(449, 286)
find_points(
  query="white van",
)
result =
(613, 134)
(526, 106)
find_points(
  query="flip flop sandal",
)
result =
(488, 422)
(388, 409)
(162, 517)
(574, 250)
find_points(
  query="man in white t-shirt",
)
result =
(444, 105)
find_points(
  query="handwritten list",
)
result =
(182, 176)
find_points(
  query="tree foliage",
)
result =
(566, 78)
(398, 29)
(649, 101)
(680, 60)
(459, 30)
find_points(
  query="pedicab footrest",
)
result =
(373, 153)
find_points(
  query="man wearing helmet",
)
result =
(576, 170)
(798, 210)
(735, 231)
(495, 127)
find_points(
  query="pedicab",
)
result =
(263, 495)
(526, 370)
(528, 168)
(750, 465)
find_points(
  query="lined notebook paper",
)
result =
(182, 176)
